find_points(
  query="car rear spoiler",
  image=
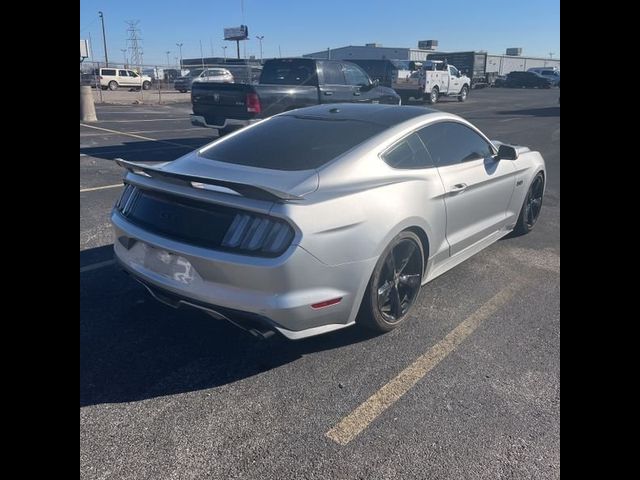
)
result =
(250, 191)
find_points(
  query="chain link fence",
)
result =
(126, 84)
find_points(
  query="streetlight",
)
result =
(168, 62)
(179, 45)
(124, 54)
(224, 49)
(104, 39)
(260, 37)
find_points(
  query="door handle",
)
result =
(458, 188)
(357, 94)
(327, 92)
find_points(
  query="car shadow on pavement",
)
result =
(134, 348)
(534, 112)
(147, 150)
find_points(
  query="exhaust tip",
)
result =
(262, 334)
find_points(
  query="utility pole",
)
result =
(201, 54)
(104, 39)
(168, 62)
(260, 37)
(179, 45)
(224, 49)
(279, 51)
(551, 54)
(124, 54)
(211, 44)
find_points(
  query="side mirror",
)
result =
(375, 83)
(507, 152)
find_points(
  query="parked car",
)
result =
(113, 78)
(500, 81)
(552, 74)
(318, 218)
(216, 75)
(285, 84)
(90, 79)
(526, 80)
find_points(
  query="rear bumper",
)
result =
(274, 292)
(200, 121)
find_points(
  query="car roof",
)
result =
(387, 115)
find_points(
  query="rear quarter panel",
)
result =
(353, 221)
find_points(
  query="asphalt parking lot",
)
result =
(470, 384)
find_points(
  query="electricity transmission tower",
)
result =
(134, 43)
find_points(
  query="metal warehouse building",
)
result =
(372, 51)
(500, 64)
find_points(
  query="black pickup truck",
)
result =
(285, 84)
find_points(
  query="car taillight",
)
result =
(253, 103)
(253, 233)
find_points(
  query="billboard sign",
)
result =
(236, 33)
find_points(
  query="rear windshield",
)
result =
(292, 143)
(289, 72)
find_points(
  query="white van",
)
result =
(112, 78)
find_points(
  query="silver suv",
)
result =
(215, 74)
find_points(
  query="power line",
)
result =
(91, 23)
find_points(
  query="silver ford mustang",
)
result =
(318, 218)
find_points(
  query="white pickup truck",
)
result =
(439, 79)
(433, 80)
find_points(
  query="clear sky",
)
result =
(306, 26)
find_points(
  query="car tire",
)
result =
(531, 207)
(394, 285)
(146, 85)
(464, 93)
(432, 98)
(113, 85)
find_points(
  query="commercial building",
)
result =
(495, 63)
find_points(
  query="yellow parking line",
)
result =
(354, 423)
(137, 136)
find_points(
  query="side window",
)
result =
(454, 70)
(108, 72)
(123, 73)
(132, 73)
(450, 143)
(332, 73)
(354, 75)
(409, 153)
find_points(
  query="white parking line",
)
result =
(147, 120)
(84, 135)
(354, 423)
(92, 189)
(136, 136)
(95, 266)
